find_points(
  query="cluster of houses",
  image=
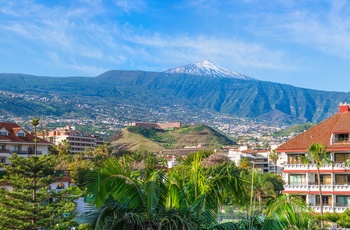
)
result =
(300, 179)
(14, 139)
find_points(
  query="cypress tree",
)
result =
(19, 209)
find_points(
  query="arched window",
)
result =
(60, 186)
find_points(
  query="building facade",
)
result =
(301, 179)
(78, 140)
(259, 158)
(14, 139)
(158, 125)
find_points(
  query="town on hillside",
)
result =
(294, 158)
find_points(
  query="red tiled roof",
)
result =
(320, 133)
(343, 124)
(12, 129)
(65, 179)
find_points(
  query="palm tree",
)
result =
(288, 212)
(263, 187)
(63, 148)
(35, 123)
(274, 157)
(245, 163)
(131, 200)
(319, 155)
(103, 151)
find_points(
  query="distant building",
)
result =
(301, 179)
(14, 139)
(157, 125)
(259, 158)
(78, 140)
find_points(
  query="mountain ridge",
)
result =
(237, 97)
(207, 68)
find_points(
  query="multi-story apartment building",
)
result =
(259, 158)
(78, 140)
(15, 139)
(333, 133)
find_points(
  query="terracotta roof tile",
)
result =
(343, 124)
(12, 129)
(320, 133)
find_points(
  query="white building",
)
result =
(14, 139)
(259, 158)
(78, 140)
(333, 133)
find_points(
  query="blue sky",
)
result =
(302, 43)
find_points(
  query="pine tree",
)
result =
(18, 208)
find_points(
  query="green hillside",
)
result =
(295, 129)
(132, 138)
(249, 99)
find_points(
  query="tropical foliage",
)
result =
(151, 199)
(28, 203)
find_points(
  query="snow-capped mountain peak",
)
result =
(207, 68)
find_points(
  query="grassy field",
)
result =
(133, 138)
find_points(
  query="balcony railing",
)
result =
(322, 183)
(318, 204)
(313, 166)
(22, 152)
(5, 151)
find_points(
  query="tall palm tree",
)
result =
(35, 123)
(245, 163)
(274, 157)
(319, 155)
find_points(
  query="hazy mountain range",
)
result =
(203, 85)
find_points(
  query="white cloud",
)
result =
(326, 28)
(69, 39)
(129, 6)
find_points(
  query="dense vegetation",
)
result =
(136, 191)
(29, 204)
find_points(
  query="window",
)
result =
(343, 200)
(342, 179)
(3, 133)
(294, 158)
(30, 150)
(326, 200)
(342, 137)
(16, 148)
(60, 186)
(341, 157)
(297, 179)
(325, 179)
(20, 134)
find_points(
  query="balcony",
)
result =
(296, 167)
(327, 207)
(302, 167)
(325, 188)
(296, 187)
(8, 151)
(338, 207)
(22, 152)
